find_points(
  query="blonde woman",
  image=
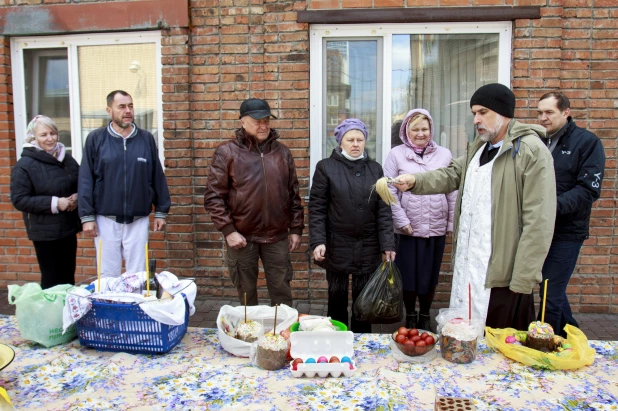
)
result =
(44, 189)
(421, 222)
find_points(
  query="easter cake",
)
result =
(249, 331)
(272, 352)
(540, 336)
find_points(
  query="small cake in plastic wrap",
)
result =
(249, 330)
(458, 341)
(540, 336)
(272, 352)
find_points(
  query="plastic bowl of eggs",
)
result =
(414, 342)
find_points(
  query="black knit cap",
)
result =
(496, 97)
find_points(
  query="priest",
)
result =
(505, 211)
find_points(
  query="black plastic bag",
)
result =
(381, 301)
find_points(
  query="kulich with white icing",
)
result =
(249, 330)
(274, 342)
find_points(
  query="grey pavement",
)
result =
(595, 326)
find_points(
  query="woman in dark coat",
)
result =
(44, 188)
(350, 226)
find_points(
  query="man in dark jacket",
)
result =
(579, 162)
(120, 179)
(253, 198)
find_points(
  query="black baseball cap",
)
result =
(255, 108)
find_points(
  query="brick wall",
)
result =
(573, 48)
(235, 49)
(242, 49)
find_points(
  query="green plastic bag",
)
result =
(39, 313)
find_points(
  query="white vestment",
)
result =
(474, 240)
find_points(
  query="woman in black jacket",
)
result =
(350, 227)
(44, 189)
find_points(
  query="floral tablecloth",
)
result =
(199, 375)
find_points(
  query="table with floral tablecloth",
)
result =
(199, 375)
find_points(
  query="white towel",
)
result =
(118, 289)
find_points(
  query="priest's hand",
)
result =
(405, 182)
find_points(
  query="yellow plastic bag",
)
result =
(581, 354)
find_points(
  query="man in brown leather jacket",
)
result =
(253, 199)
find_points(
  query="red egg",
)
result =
(296, 362)
(334, 359)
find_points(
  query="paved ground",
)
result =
(595, 326)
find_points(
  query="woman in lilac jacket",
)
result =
(421, 222)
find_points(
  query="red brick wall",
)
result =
(573, 48)
(245, 49)
(235, 49)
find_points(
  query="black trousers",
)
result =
(509, 310)
(338, 299)
(56, 261)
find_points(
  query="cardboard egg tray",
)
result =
(315, 344)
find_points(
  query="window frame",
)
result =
(71, 42)
(320, 32)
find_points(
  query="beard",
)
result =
(491, 133)
(120, 123)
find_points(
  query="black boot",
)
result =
(424, 322)
(411, 320)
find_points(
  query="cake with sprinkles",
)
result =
(271, 352)
(540, 336)
(249, 331)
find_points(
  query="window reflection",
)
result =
(440, 73)
(46, 73)
(351, 90)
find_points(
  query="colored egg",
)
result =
(310, 361)
(566, 345)
(346, 359)
(322, 359)
(510, 339)
(295, 363)
(334, 359)
(351, 366)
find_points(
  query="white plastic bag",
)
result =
(229, 317)
(447, 314)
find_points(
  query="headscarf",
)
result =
(58, 152)
(347, 125)
(403, 131)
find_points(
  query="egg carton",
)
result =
(310, 344)
(323, 370)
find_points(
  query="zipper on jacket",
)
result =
(124, 142)
(29, 222)
(266, 196)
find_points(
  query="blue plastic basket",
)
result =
(125, 327)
